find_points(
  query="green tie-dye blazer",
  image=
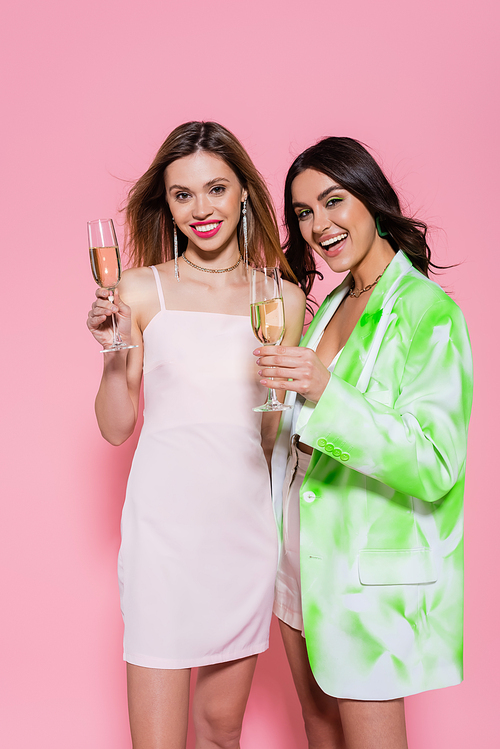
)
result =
(381, 522)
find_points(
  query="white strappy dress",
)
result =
(198, 556)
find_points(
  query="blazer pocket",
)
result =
(396, 567)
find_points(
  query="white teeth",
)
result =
(206, 227)
(333, 240)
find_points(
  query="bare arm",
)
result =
(117, 399)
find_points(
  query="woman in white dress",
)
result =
(199, 545)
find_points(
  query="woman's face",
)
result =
(333, 222)
(204, 196)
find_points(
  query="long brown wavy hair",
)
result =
(348, 162)
(148, 217)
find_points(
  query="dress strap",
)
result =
(159, 287)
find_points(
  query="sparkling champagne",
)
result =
(268, 321)
(106, 268)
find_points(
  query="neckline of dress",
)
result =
(195, 312)
(203, 312)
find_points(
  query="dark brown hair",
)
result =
(348, 162)
(149, 221)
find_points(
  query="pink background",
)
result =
(91, 90)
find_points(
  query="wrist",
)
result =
(115, 361)
(322, 387)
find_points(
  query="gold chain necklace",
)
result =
(357, 293)
(211, 270)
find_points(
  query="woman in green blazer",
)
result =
(371, 456)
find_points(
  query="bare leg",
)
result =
(158, 703)
(321, 712)
(341, 724)
(219, 703)
(374, 725)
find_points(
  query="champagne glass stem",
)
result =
(272, 399)
(117, 339)
(116, 333)
(272, 403)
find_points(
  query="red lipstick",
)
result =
(206, 233)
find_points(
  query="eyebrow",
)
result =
(207, 184)
(333, 188)
(321, 196)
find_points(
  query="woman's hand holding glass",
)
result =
(100, 323)
(293, 368)
(268, 319)
(106, 269)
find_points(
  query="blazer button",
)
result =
(345, 456)
(322, 443)
(330, 447)
(337, 452)
(309, 496)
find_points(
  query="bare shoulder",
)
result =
(136, 277)
(294, 297)
(295, 308)
(136, 284)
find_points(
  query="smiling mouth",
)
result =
(333, 241)
(206, 227)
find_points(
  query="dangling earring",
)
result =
(379, 228)
(176, 253)
(245, 233)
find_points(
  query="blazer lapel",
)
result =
(356, 360)
(360, 350)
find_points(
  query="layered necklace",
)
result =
(212, 270)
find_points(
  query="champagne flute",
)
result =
(106, 268)
(268, 319)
